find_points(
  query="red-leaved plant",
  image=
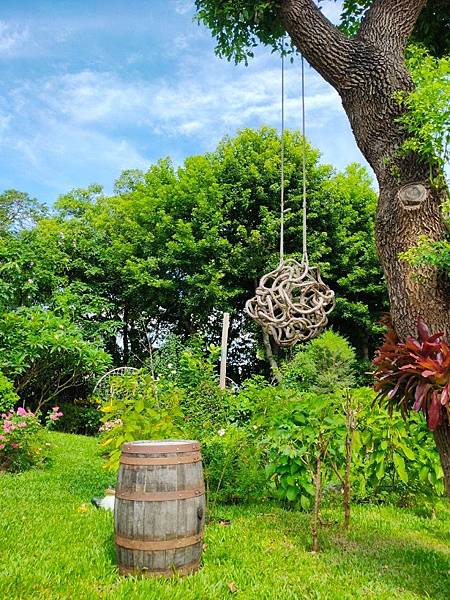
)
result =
(415, 374)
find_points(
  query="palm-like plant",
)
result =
(415, 373)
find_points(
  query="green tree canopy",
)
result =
(173, 248)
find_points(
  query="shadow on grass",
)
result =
(414, 560)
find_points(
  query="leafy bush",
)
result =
(314, 427)
(233, 465)
(45, 354)
(82, 416)
(392, 459)
(167, 358)
(415, 374)
(325, 364)
(22, 440)
(8, 396)
(138, 408)
(204, 405)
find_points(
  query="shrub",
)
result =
(8, 397)
(233, 465)
(82, 416)
(45, 354)
(22, 440)
(325, 364)
(415, 374)
(314, 427)
(138, 408)
(204, 405)
(392, 460)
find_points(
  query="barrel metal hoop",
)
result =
(172, 544)
(164, 460)
(184, 570)
(132, 448)
(159, 496)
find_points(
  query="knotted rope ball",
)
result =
(292, 303)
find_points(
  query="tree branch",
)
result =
(323, 45)
(388, 24)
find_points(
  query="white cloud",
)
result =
(207, 106)
(12, 38)
(183, 7)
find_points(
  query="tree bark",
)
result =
(442, 440)
(271, 358)
(367, 71)
(317, 500)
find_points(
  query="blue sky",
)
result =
(91, 88)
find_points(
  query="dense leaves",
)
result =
(415, 374)
(426, 119)
(44, 354)
(241, 25)
(173, 248)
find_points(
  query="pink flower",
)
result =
(15, 445)
(2, 437)
(21, 411)
(2, 446)
(8, 426)
(55, 408)
(22, 424)
(53, 417)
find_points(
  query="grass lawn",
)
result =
(54, 544)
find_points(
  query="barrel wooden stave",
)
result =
(172, 521)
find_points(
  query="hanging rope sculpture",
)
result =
(292, 303)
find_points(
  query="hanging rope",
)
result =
(305, 249)
(282, 159)
(292, 302)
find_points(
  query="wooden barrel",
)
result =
(159, 511)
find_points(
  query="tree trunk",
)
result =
(368, 71)
(442, 439)
(271, 358)
(317, 500)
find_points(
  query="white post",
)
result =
(223, 354)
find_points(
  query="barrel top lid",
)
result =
(162, 446)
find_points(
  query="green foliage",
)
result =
(8, 397)
(23, 443)
(174, 248)
(233, 466)
(314, 428)
(426, 252)
(426, 119)
(325, 364)
(81, 416)
(18, 211)
(239, 26)
(390, 552)
(393, 460)
(45, 354)
(194, 370)
(138, 408)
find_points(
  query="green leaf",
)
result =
(304, 502)
(399, 464)
(291, 493)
